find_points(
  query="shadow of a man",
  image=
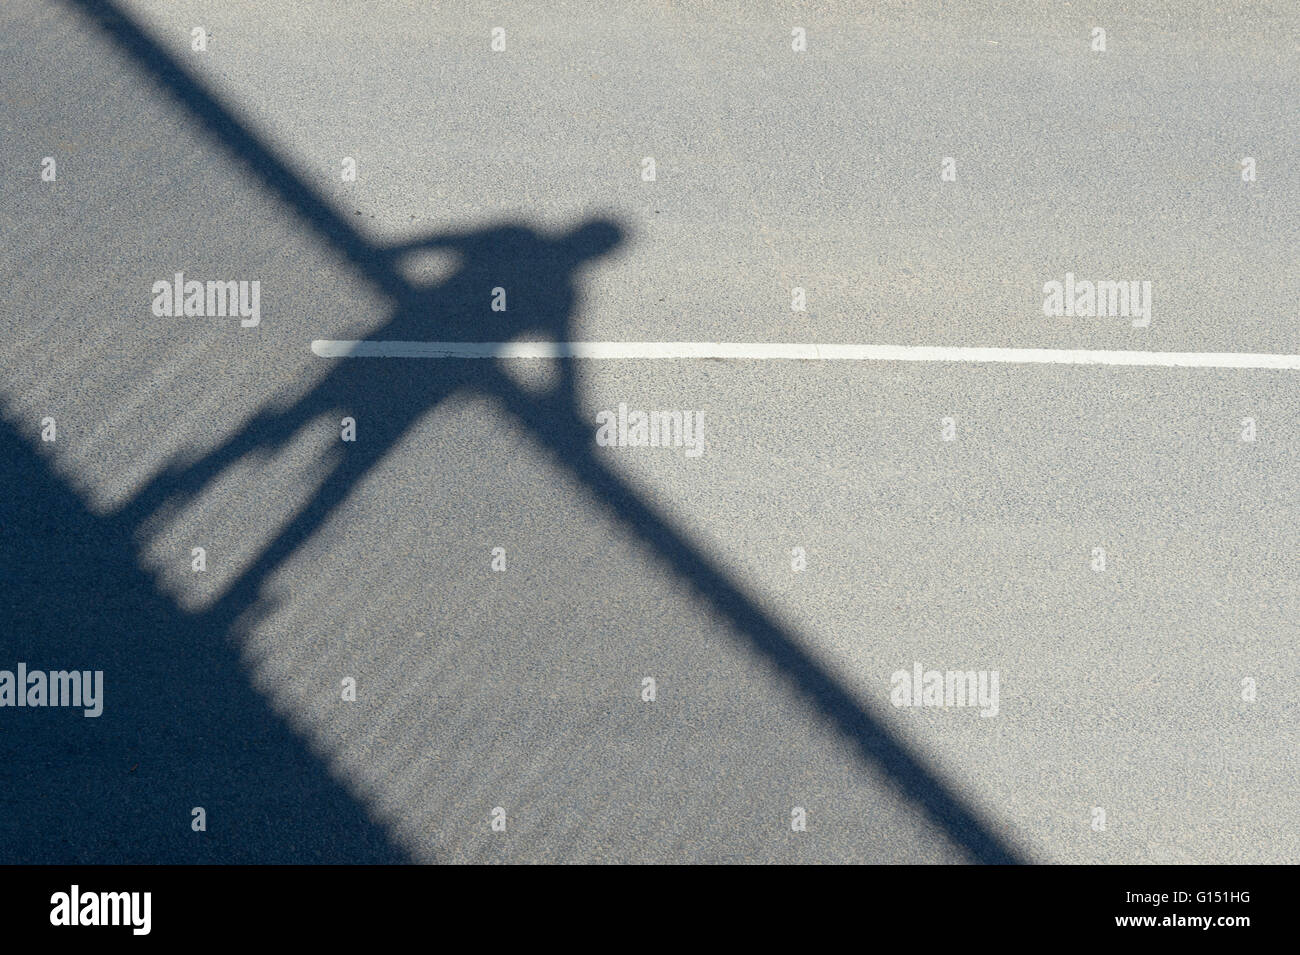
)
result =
(533, 275)
(390, 395)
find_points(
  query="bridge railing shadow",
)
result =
(182, 726)
(541, 273)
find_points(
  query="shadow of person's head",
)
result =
(591, 240)
(495, 283)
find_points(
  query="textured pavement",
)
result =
(1120, 689)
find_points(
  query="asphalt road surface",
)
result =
(497, 584)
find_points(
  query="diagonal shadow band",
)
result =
(570, 443)
(274, 173)
(557, 424)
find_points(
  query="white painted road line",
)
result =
(326, 348)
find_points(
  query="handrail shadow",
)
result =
(541, 272)
(182, 726)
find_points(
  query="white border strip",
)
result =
(801, 352)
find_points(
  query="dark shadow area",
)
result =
(182, 725)
(188, 672)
